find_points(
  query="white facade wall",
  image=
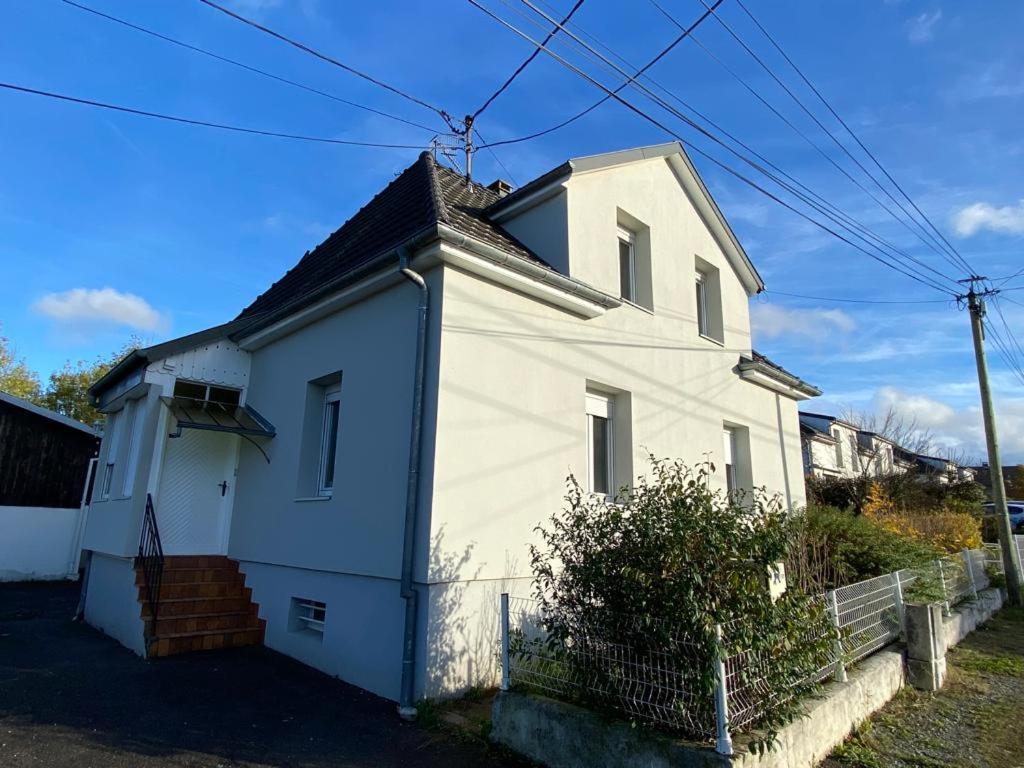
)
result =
(344, 550)
(38, 543)
(514, 374)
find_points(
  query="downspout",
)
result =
(406, 708)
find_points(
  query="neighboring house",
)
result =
(44, 468)
(982, 474)
(835, 448)
(365, 452)
(831, 446)
(945, 470)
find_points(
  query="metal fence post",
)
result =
(833, 609)
(969, 564)
(898, 599)
(723, 741)
(945, 595)
(504, 642)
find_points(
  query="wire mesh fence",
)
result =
(667, 678)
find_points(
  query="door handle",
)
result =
(223, 485)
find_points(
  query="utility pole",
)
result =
(1011, 558)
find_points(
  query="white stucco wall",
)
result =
(112, 601)
(514, 374)
(38, 543)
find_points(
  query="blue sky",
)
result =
(114, 224)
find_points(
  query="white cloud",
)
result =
(921, 28)
(100, 306)
(771, 320)
(958, 430)
(1008, 219)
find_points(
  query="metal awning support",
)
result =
(243, 420)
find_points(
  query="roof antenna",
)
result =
(468, 143)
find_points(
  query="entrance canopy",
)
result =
(218, 417)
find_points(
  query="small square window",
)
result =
(308, 616)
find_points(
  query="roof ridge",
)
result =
(436, 196)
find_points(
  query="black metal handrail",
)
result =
(151, 558)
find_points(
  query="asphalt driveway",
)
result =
(69, 696)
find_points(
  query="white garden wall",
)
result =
(38, 543)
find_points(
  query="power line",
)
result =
(708, 134)
(855, 137)
(857, 301)
(244, 66)
(1003, 281)
(610, 94)
(1005, 352)
(525, 64)
(204, 123)
(1019, 353)
(727, 168)
(497, 159)
(844, 219)
(923, 235)
(330, 60)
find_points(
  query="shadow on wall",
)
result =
(462, 622)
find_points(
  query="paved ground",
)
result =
(70, 696)
(975, 721)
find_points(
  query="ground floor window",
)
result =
(600, 437)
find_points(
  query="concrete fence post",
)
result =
(505, 681)
(942, 582)
(723, 741)
(901, 611)
(969, 565)
(833, 610)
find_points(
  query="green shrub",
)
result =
(833, 547)
(674, 559)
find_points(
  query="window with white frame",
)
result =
(840, 463)
(730, 457)
(133, 428)
(854, 453)
(329, 439)
(702, 304)
(627, 264)
(113, 439)
(600, 451)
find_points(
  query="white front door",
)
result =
(196, 488)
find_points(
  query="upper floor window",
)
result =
(854, 453)
(329, 442)
(112, 437)
(840, 463)
(627, 265)
(702, 305)
(708, 302)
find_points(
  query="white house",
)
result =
(831, 446)
(356, 464)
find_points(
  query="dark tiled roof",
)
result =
(424, 195)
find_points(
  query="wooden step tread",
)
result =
(175, 616)
(188, 599)
(205, 632)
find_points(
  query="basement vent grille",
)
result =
(309, 615)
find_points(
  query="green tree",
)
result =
(16, 378)
(67, 390)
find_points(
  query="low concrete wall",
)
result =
(561, 735)
(36, 543)
(112, 601)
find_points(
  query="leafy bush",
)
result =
(674, 559)
(833, 547)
